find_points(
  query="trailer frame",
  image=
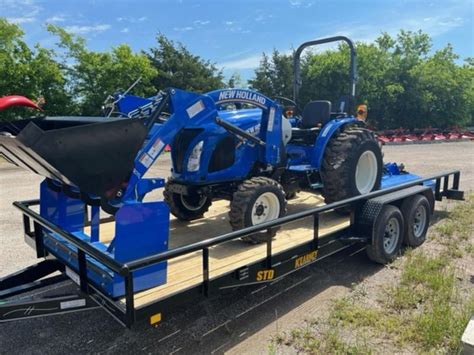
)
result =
(274, 266)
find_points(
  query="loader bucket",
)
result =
(95, 154)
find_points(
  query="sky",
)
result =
(233, 34)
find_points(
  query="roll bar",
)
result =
(297, 59)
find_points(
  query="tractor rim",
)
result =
(265, 208)
(419, 222)
(192, 203)
(366, 172)
(392, 235)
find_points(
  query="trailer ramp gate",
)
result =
(274, 265)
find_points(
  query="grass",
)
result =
(425, 310)
(423, 278)
(328, 342)
(457, 229)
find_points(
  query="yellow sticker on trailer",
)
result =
(305, 259)
(265, 275)
(156, 318)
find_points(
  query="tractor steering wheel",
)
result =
(293, 107)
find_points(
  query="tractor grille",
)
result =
(180, 146)
(223, 155)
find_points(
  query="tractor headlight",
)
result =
(195, 157)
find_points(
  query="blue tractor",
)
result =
(258, 158)
(251, 154)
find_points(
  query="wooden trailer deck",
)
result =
(186, 271)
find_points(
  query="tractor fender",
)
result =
(326, 134)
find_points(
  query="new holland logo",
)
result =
(241, 95)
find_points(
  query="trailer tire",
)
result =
(416, 212)
(184, 209)
(387, 235)
(347, 151)
(249, 203)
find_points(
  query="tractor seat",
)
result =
(315, 115)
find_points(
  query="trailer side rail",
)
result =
(127, 313)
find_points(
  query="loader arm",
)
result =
(190, 110)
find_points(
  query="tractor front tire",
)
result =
(186, 207)
(256, 201)
(352, 164)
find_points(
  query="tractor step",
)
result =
(302, 168)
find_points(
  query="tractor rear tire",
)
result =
(186, 208)
(256, 201)
(352, 164)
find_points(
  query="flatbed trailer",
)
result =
(203, 268)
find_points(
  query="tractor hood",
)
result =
(242, 118)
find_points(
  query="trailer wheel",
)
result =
(256, 201)
(352, 164)
(186, 208)
(387, 235)
(416, 212)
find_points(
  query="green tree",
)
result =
(235, 81)
(33, 73)
(444, 89)
(95, 75)
(274, 76)
(263, 80)
(402, 83)
(177, 67)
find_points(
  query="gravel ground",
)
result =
(237, 322)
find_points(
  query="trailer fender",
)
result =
(326, 134)
(367, 215)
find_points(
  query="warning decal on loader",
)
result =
(146, 160)
(194, 109)
(156, 148)
(271, 119)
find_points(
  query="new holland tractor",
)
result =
(255, 157)
(258, 158)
